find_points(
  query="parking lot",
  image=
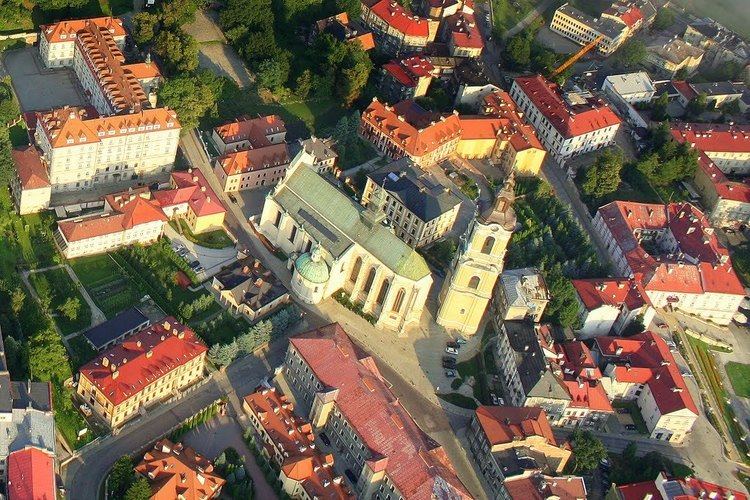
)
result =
(39, 88)
(204, 261)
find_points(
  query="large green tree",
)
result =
(518, 51)
(664, 19)
(273, 73)
(191, 96)
(70, 308)
(603, 176)
(631, 53)
(178, 50)
(588, 451)
(121, 477)
(176, 13)
(667, 160)
(145, 25)
(139, 490)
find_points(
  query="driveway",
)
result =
(39, 88)
(223, 432)
(212, 259)
(215, 54)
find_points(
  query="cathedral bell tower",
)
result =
(468, 286)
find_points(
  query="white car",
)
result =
(85, 409)
(451, 350)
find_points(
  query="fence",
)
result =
(30, 37)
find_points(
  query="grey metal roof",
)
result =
(419, 192)
(102, 334)
(718, 88)
(521, 286)
(605, 26)
(28, 427)
(34, 395)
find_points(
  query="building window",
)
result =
(399, 300)
(383, 292)
(369, 281)
(277, 221)
(355, 270)
(294, 234)
(488, 244)
(474, 282)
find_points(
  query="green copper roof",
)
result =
(311, 270)
(334, 220)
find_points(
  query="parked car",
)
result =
(461, 341)
(662, 326)
(623, 410)
(453, 344)
(451, 350)
(449, 365)
(85, 409)
(449, 359)
(199, 269)
(450, 373)
(631, 427)
(232, 198)
(324, 438)
(194, 264)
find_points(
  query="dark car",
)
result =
(232, 198)
(324, 438)
(453, 344)
(449, 365)
(449, 359)
(631, 427)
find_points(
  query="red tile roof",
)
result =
(646, 359)
(628, 14)
(639, 491)
(685, 89)
(569, 121)
(522, 135)
(411, 127)
(254, 130)
(190, 187)
(714, 137)
(249, 160)
(408, 71)
(31, 475)
(142, 359)
(582, 377)
(725, 189)
(598, 292)
(31, 171)
(54, 32)
(680, 489)
(416, 464)
(704, 489)
(401, 19)
(538, 487)
(505, 424)
(481, 127)
(135, 212)
(176, 471)
(143, 71)
(464, 31)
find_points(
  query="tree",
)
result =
(121, 477)
(223, 354)
(697, 105)
(664, 19)
(144, 27)
(659, 107)
(303, 85)
(60, 4)
(17, 299)
(260, 45)
(70, 308)
(191, 96)
(354, 74)
(631, 53)
(139, 490)
(603, 177)
(48, 359)
(15, 353)
(178, 50)
(175, 13)
(246, 342)
(186, 310)
(588, 451)
(43, 291)
(518, 51)
(273, 73)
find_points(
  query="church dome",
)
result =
(312, 267)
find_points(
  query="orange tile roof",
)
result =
(176, 471)
(143, 71)
(714, 137)
(598, 292)
(415, 463)
(480, 127)
(581, 377)
(254, 130)
(645, 359)
(69, 29)
(569, 121)
(190, 187)
(464, 30)
(505, 424)
(142, 359)
(411, 128)
(70, 126)
(249, 160)
(538, 487)
(31, 170)
(522, 135)
(135, 212)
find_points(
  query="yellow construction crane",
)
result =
(572, 59)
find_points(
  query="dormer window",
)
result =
(149, 127)
(81, 139)
(157, 126)
(63, 37)
(141, 128)
(100, 134)
(131, 129)
(110, 132)
(69, 141)
(123, 130)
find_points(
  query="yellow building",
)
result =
(146, 368)
(468, 286)
(191, 198)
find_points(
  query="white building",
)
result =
(631, 88)
(249, 133)
(57, 43)
(583, 29)
(31, 187)
(642, 369)
(81, 150)
(609, 305)
(354, 252)
(728, 146)
(674, 256)
(567, 124)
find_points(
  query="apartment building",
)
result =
(31, 474)
(584, 29)
(630, 88)
(82, 149)
(249, 133)
(727, 202)
(190, 198)
(128, 218)
(674, 256)
(667, 56)
(407, 78)
(288, 440)
(177, 471)
(567, 124)
(57, 43)
(462, 35)
(397, 30)
(318, 154)
(417, 206)
(641, 368)
(30, 186)
(521, 294)
(146, 368)
(608, 305)
(252, 168)
(666, 488)
(341, 390)
(727, 146)
(507, 441)
(249, 289)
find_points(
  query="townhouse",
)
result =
(340, 389)
(667, 488)
(521, 294)
(728, 202)
(252, 168)
(717, 94)
(397, 30)
(419, 208)
(249, 133)
(407, 78)
(508, 441)
(674, 256)
(287, 440)
(30, 186)
(462, 35)
(667, 56)
(641, 368)
(31, 474)
(609, 305)
(567, 124)
(249, 289)
(148, 367)
(318, 154)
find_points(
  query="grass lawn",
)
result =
(18, 135)
(60, 287)
(209, 239)
(508, 12)
(351, 157)
(739, 375)
(734, 14)
(69, 420)
(222, 329)
(459, 400)
(107, 285)
(635, 414)
(80, 351)
(20, 20)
